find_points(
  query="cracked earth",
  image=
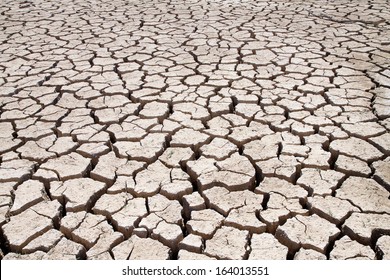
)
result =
(195, 129)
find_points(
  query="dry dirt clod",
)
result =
(26, 195)
(309, 254)
(347, 249)
(362, 226)
(383, 247)
(266, 247)
(25, 227)
(68, 166)
(234, 173)
(224, 201)
(204, 222)
(137, 248)
(331, 208)
(366, 194)
(77, 194)
(228, 243)
(309, 232)
(355, 147)
(192, 243)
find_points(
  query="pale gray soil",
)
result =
(219, 129)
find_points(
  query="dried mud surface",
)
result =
(194, 129)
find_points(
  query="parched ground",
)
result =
(196, 129)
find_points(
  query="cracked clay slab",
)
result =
(194, 130)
